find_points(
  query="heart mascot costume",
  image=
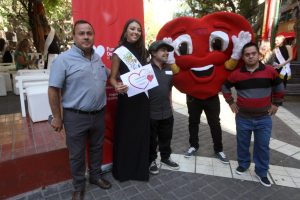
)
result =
(206, 50)
(202, 46)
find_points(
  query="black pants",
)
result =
(80, 129)
(285, 78)
(211, 107)
(161, 135)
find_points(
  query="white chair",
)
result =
(25, 81)
(38, 103)
(26, 72)
(51, 58)
(2, 86)
(15, 88)
(6, 67)
(8, 84)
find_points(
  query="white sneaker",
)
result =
(222, 157)
(153, 169)
(170, 164)
(190, 152)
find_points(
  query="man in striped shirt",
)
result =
(259, 93)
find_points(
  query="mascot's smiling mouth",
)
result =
(203, 71)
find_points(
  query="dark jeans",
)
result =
(262, 128)
(82, 129)
(161, 135)
(211, 108)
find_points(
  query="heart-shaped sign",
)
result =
(99, 50)
(139, 81)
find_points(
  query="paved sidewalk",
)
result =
(172, 185)
(202, 176)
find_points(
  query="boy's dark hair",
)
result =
(249, 44)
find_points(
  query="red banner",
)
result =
(108, 18)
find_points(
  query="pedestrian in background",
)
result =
(22, 58)
(283, 55)
(265, 53)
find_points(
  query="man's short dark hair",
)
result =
(81, 21)
(250, 44)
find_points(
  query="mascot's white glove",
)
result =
(171, 58)
(238, 43)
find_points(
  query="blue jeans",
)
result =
(262, 128)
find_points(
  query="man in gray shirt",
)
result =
(161, 115)
(77, 85)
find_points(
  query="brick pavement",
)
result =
(177, 185)
(171, 185)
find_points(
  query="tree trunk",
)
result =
(37, 22)
(258, 25)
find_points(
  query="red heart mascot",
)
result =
(202, 46)
(205, 50)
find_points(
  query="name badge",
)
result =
(169, 72)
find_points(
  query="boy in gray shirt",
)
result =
(161, 115)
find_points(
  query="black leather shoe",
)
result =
(78, 195)
(101, 182)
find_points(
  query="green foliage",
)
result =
(15, 12)
(58, 10)
(247, 8)
(199, 8)
(18, 15)
(50, 4)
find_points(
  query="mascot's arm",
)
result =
(231, 64)
(238, 44)
(171, 59)
(175, 69)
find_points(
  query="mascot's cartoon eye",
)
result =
(218, 41)
(183, 48)
(183, 45)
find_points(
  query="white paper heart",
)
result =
(100, 50)
(139, 80)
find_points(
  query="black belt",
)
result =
(85, 112)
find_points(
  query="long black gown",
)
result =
(132, 133)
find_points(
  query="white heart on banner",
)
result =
(100, 50)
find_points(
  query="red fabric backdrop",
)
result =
(108, 18)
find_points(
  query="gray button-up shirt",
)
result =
(82, 80)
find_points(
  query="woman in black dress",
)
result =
(132, 125)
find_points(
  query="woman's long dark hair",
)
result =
(140, 43)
